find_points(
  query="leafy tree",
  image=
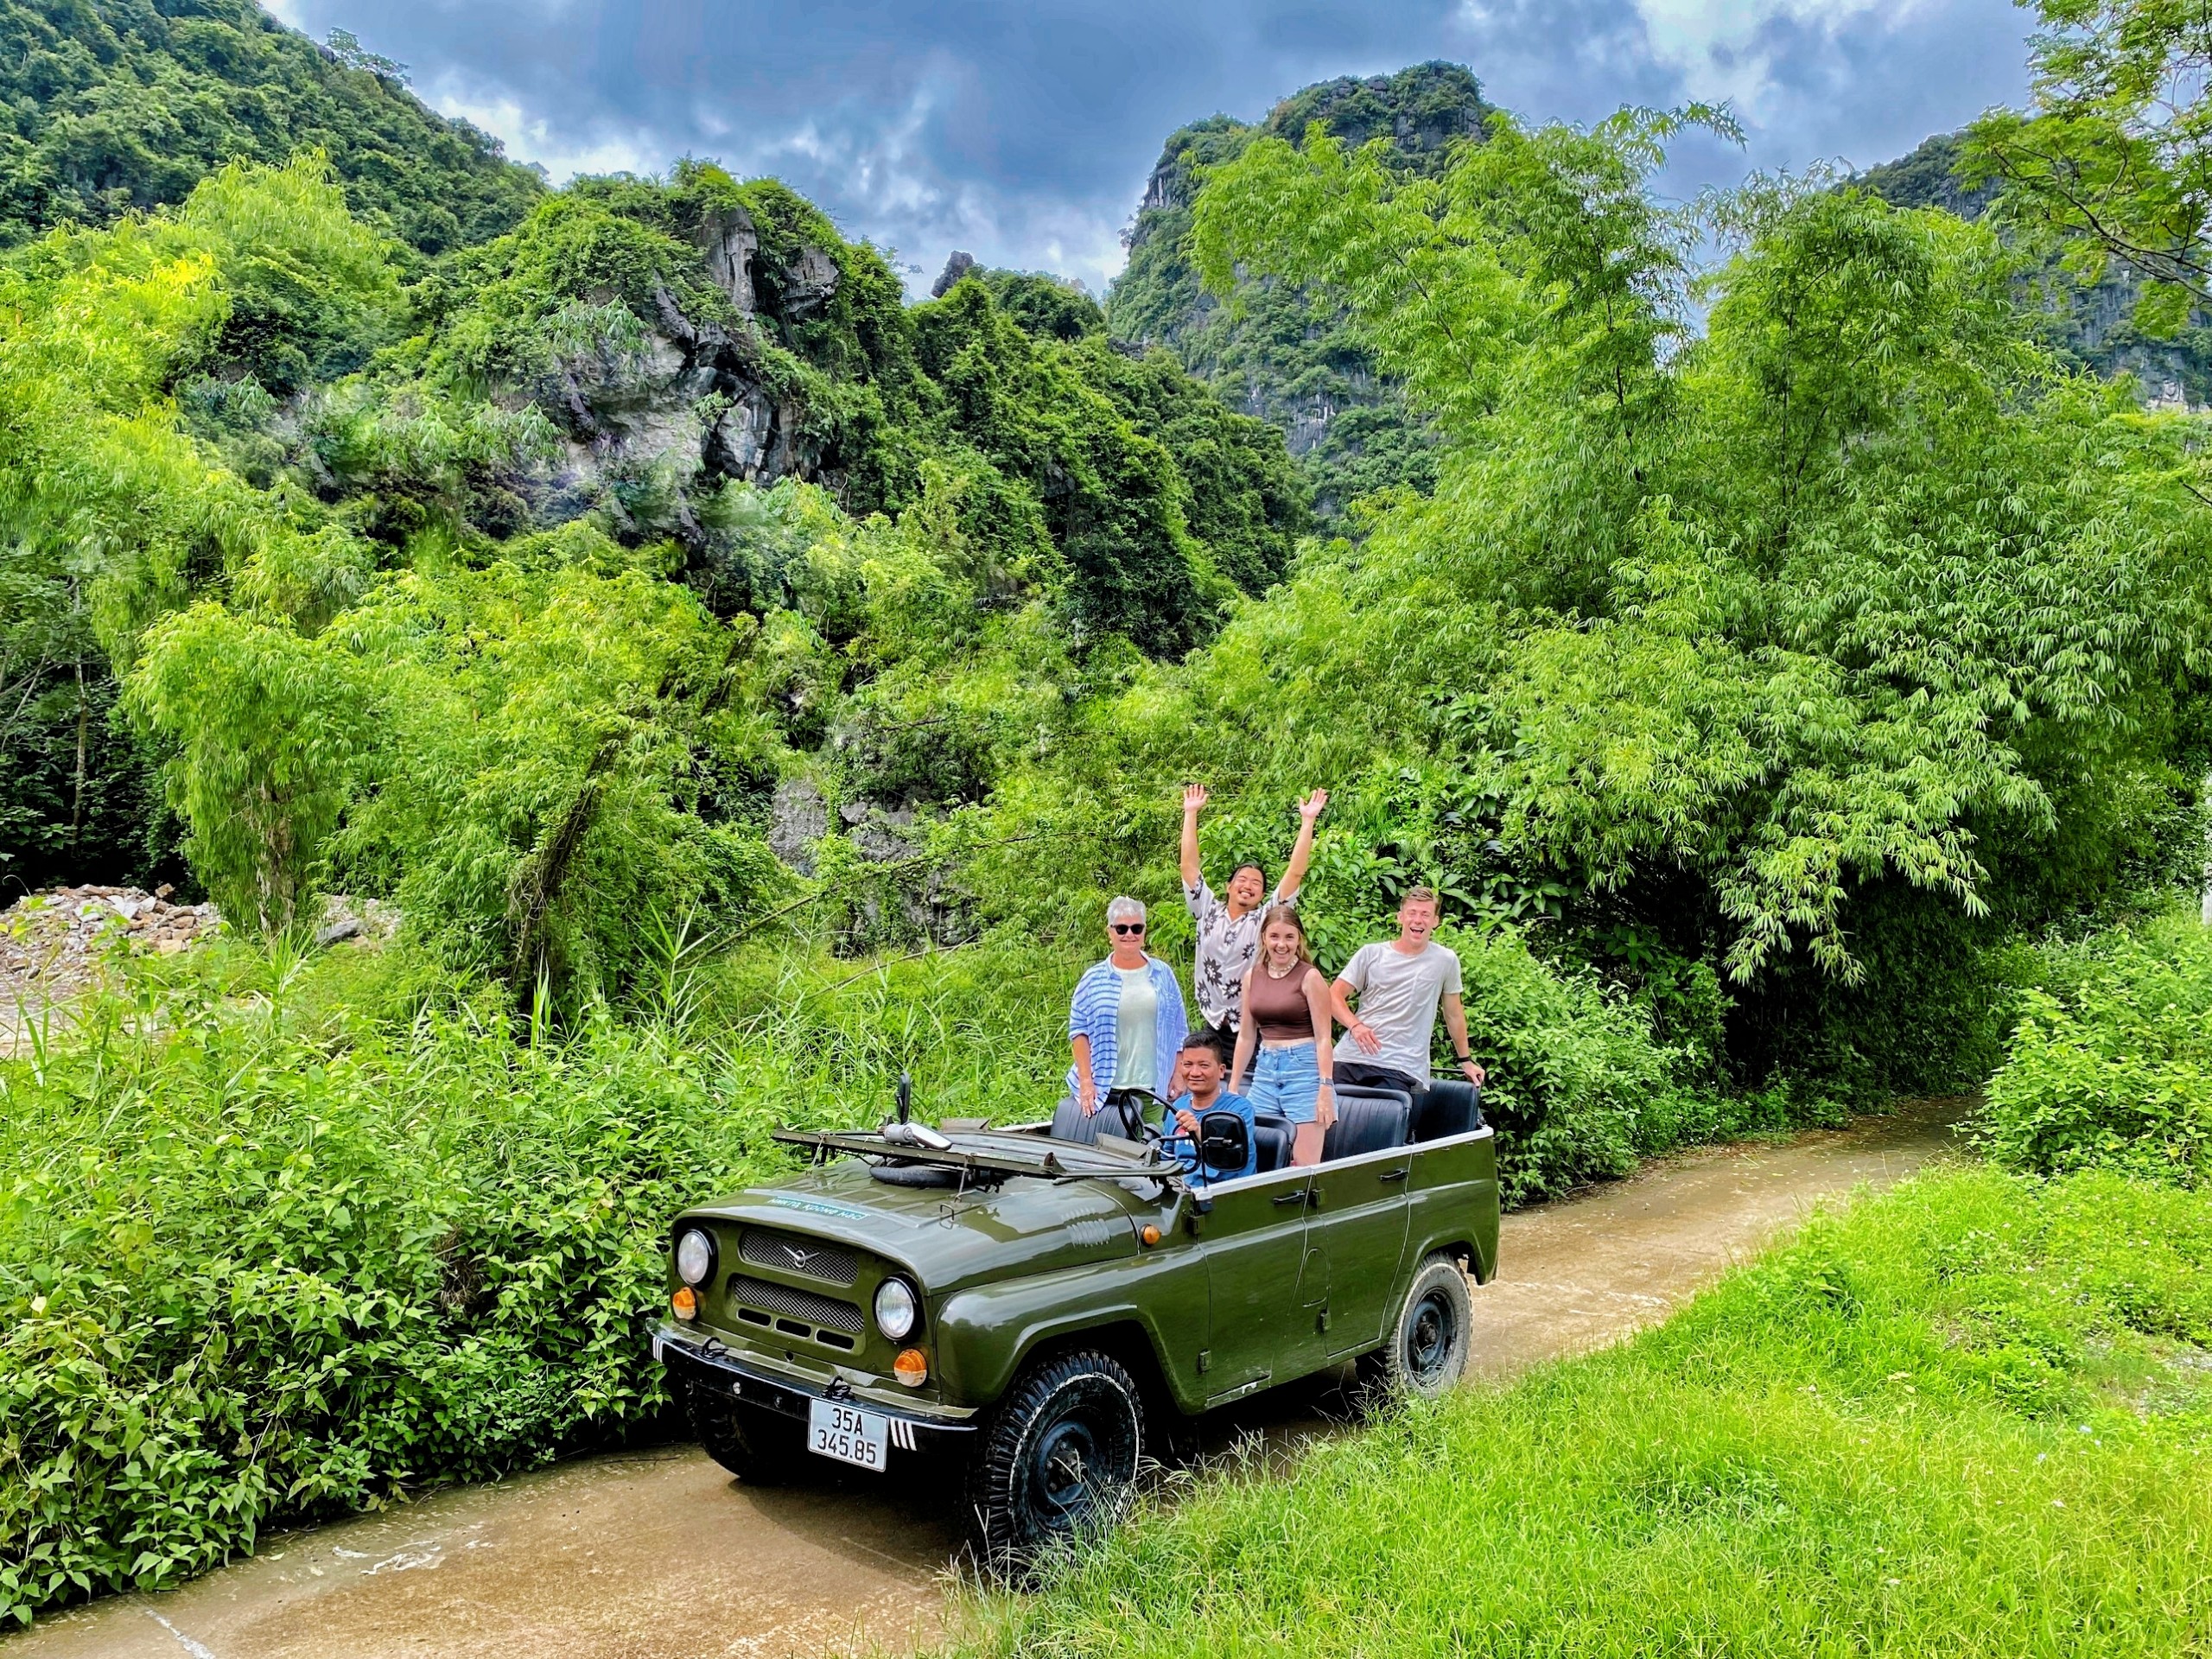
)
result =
(1858, 590)
(263, 725)
(2112, 159)
(115, 108)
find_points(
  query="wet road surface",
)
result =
(659, 1555)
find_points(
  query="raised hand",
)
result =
(1194, 797)
(1310, 808)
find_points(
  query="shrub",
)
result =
(344, 1239)
(2111, 1066)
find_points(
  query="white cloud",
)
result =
(532, 138)
(286, 12)
(1714, 42)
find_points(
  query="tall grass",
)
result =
(1974, 1416)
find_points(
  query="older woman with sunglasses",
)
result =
(1127, 1020)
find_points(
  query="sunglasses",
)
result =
(1126, 927)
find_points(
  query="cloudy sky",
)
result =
(1022, 131)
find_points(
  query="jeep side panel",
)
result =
(1453, 1201)
(1355, 1242)
(986, 1331)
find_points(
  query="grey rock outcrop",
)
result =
(955, 268)
(648, 421)
(808, 284)
(798, 818)
(730, 243)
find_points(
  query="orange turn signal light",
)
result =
(685, 1302)
(911, 1367)
(1150, 1235)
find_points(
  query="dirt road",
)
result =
(661, 1555)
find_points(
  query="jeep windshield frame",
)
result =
(1054, 1161)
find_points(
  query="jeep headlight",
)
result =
(695, 1257)
(895, 1308)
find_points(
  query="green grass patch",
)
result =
(1972, 1416)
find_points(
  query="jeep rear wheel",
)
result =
(1059, 1459)
(758, 1448)
(1427, 1349)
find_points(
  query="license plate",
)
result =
(847, 1433)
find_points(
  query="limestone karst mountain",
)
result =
(1281, 353)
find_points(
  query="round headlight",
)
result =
(895, 1309)
(695, 1256)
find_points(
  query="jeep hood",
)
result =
(947, 1238)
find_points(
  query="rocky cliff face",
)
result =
(648, 345)
(690, 400)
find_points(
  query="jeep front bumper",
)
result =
(703, 1359)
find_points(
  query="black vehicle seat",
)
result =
(1448, 1106)
(1367, 1120)
(1069, 1123)
(1272, 1138)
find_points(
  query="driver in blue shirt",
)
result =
(1200, 1075)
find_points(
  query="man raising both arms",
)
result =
(1228, 927)
(1401, 985)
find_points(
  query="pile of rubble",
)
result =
(50, 942)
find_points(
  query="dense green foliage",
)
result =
(2092, 323)
(1859, 604)
(2110, 1066)
(332, 1236)
(114, 107)
(1970, 1417)
(645, 580)
(1283, 350)
(341, 468)
(2109, 159)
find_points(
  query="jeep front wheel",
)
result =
(1427, 1349)
(758, 1448)
(1059, 1459)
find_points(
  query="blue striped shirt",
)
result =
(1094, 1013)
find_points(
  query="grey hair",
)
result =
(1125, 909)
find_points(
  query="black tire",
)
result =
(760, 1448)
(1059, 1459)
(1427, 1349)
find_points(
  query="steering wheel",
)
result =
(1127, 1105)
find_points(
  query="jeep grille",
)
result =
(833, 1264)
(795, 1304)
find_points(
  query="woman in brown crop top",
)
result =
(1286, 1021)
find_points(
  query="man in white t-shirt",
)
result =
(1229, 927)
(1401, 985)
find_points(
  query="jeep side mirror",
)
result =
(1224, 1142)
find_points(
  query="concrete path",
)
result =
(661, 1555)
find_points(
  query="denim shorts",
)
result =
(1286, 1082)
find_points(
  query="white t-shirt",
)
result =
(1136, 1028)
(1398, 998)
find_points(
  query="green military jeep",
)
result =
(1042, 1302)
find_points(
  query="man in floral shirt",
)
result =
(1229, 927)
